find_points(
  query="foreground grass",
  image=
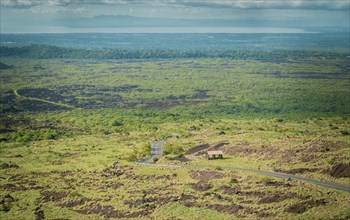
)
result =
(75, 177)
(59, 162)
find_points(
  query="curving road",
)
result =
(156, 151)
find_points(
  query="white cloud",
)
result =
(44, 9)
(240, 4)
(20, 3)
(268, 4)
(33, 3)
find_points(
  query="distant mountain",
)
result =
(130, 21)
(126, 21)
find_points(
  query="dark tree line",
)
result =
(54, 52)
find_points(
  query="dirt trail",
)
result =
(42, 100)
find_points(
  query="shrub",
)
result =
(75, 194)
(27, 135)
(218, 168)
(345, 132)
(266, 179)
(155, 159)
(8, 165)
(132, 156)
(4, 166)
(139, 152)
(169, 148)
(233, 181)
(118, 122)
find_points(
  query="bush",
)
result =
(345, 132)
(139, 152)
(4, 166)
(75, 194)
(132, 156)
(218, 168)
(155, 159)
(233, 181)
(266, 179)
(26, 135)
(8, 165)
(118, 122)
(169, 148)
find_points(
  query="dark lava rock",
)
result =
(340, 170)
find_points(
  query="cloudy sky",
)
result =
(72, 16)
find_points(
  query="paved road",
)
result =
(156, 151)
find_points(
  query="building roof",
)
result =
(214, 152)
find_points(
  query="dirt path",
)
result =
(42, 100)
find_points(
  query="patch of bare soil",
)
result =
(240, 150)
(58, 162)
(214, 195)
(200, 149)
(253, 193)
(47, 196)
(231, 190)
(202, 186)
(6, 203)
(112, 185)
(231, 209)
(181, 158)
(204, 175)
(13, 187)
(277, 183)
(197, 149)
(72, 154)
(105, 210)
(340, 170)
(117, 170)
(324, 145)
(39, 214)
(152, 177)
(21, 182)
(304, 206)
(244, 150)
(65, 173)
(219, 145)
(149, 202)
(90, 208)
(298, 170)
(8, 165)
(75, 202)
(278, 197)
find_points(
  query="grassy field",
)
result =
(71, 131)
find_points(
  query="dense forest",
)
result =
(52, 52)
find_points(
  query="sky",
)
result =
(180, 16)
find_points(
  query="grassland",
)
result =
(71, 131)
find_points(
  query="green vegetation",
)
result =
(72, 129)
(54, 52)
